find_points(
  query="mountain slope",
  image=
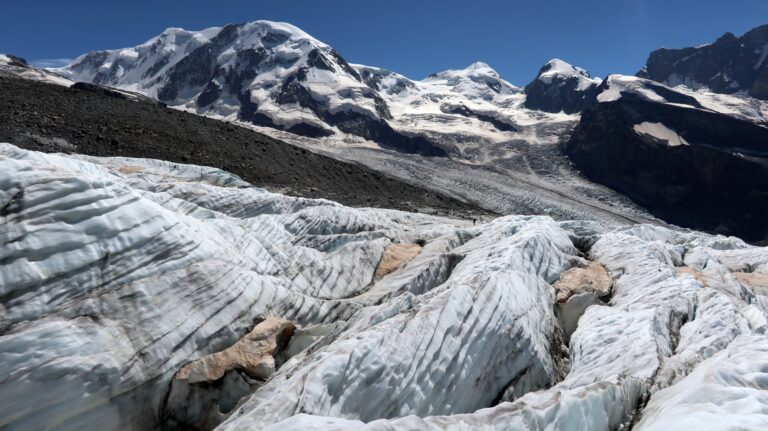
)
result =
(288, 80)
(275, 75)
(473, 112)
(729, 65)
(53, 118)
(687, 164)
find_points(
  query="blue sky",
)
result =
(412, 37)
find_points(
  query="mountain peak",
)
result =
(560, 86)
(557, 67)
(477, 73)
(480, 66)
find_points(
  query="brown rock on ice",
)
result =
(395, 255)
(253, 354)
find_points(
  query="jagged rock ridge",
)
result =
(729, 65)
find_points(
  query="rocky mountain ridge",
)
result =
(275, 75)
(687, 164)
(729, 65)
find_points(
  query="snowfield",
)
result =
(116, 273)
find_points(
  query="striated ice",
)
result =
(117, 273)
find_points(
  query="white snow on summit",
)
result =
(559, 68)
(288, 80)
(254, 59)
(619, 84)
(746, 108)
(472, 111)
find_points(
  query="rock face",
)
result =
(116, 274)
(576, 281)
(561, 87)
(685, 163)
(731, 64)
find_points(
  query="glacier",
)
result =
(116, 274)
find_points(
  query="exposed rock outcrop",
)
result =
(729, 65)
(579, 288)
(395, 255)
(697, 275)
(254, 354)
(204, 391)
(591, 279)
(687, 165)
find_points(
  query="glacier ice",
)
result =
(117, 273)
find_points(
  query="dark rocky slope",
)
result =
(729, 65)
(52, 118)
(718, 182)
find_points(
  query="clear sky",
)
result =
(413, 37)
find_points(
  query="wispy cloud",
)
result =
(51, 62)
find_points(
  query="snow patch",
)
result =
(763, 56)
(660, 131)
(619, 84)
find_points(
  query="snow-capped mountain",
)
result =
(561, 87)
(142, 294)
(729, 65)
(265, 73)
(275, 75)
(473, 112)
